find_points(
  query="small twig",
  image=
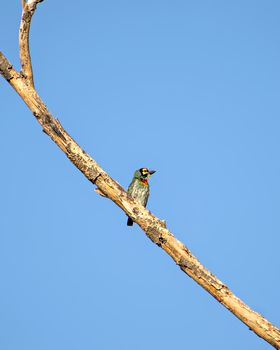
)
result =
(28, 9)
(97, 190)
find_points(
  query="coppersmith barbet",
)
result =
(139, 188)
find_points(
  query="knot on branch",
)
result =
(49, 122)
(5, 68)
(155, 235)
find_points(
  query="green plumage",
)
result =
(139, 188)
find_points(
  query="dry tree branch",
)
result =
(154, 228)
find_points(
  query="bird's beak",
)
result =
(151, 172)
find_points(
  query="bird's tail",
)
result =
(129, 222)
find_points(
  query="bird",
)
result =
(139, 188)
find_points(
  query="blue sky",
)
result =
(189, 88)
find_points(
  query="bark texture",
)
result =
(154, 228)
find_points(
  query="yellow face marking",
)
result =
(145, 171)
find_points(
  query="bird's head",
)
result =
(143, 173)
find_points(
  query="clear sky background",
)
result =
(189, 88)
